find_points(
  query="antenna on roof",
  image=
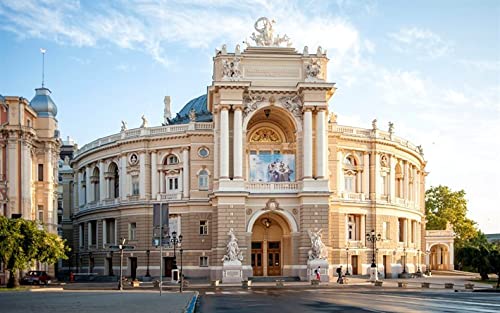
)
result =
(43, 51)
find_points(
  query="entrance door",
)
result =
(354, 262)
(109, 262)
(384, 261)
(256, 259)
(274, 258)
(168, 265)
(133, 268)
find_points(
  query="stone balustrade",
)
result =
(142, 132)
(284, 187)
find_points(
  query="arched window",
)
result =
(171, 159)
(349, 160)
(114, 181)
(351, 174)
(95, 184)
(203, 180)
(84, 187)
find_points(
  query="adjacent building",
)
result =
(29, 151)
(260, 153)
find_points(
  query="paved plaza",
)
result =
(83, 302)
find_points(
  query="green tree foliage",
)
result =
(22, 242)
(442, 206)
(484, 259)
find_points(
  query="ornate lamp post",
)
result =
(404, 261)
(121, 247)
(373, 238)
(147, 268)
(347, 270)
(174, 240)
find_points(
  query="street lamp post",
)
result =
(147, 268)
(121, 246)
(347, 270)
(427, 266)
(373, 238)
(182, 278)
(404, 260)
(418, 262)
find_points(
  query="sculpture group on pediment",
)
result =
(265, 34)
(265, 135)
(313, 70)
(293, 104)
(251, 103)
(231, 69)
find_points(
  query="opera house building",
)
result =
(260, 162)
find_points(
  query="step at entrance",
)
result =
(267, 279)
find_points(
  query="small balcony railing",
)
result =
(284, 187)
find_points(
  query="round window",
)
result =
(203, 152)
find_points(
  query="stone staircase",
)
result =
(271, 279)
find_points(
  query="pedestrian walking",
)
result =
(318, 275)
(339, 272)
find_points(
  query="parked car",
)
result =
(36, 278)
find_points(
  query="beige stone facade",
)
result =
(29, 149)
(265, 104)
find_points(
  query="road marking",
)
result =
(243, 292)
(209, 292)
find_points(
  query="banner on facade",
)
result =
(272, 167)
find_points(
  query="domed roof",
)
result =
(43, 104)
(200, 107)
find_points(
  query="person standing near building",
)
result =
(339, 272)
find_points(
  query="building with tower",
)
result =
(29, 151)
(260, 157)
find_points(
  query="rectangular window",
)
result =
(349, 183)
(135, 185)
(40, 213)
(110, 231)
(40, 172)
(351, 227)
(93, 228)
(401, 230)
(385, 230)
(203, 261)
(132, 231)
(203, 227)
(173, 183)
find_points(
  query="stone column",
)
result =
(104, 234)
(162, 182)
(185, 173)
(406, 180)
(340, 173)
(237, 144)
(102, 181)
(358, 182)
(321, 146)
(414, 186)
(154, 175)
(362, 232)
(88, 185)
(377, 177)
(392, 179)
(142, 175)
(366, 174)
(123, 177)
(224, 142)
(308, 153)
(79, 177)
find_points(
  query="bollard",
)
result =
(426, 285)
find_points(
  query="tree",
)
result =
(22, 242)
(442, 206)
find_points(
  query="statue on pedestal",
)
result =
(144, 121)
(318, 248)
(233, 252)
(124, 126)
(166, 111)
(192, 115)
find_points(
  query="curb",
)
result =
(45, 289)
(191, 305)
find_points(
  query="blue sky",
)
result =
(431, 67)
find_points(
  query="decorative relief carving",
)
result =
(231, 70)
(384, 162)
(249, 211)
(133, 159)
(265, 135)
(293, 104)
(272, 205)
(318, 248)
(313, 71)
(251, 103)
(192, 115)
(233, 252)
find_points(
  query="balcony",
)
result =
(285, 187)
(171, 196)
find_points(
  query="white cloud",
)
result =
(420, 42)
(482, 65)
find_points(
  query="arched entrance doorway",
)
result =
(439, 257)
(271, 245)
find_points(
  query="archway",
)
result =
(439, 258)
(271, 244)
